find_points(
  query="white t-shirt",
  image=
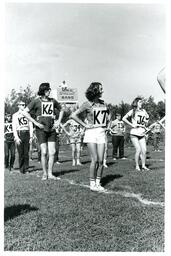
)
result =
(140, 120)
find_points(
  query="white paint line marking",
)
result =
(147, 159)
(122, 193)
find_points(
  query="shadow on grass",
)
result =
(63, 172)
(64, 161)
(108, 178)
(13, 211)
(86, 162)
(110, 163)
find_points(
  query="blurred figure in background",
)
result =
(117, 131)
(9, 143)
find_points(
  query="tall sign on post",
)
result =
(66, 95)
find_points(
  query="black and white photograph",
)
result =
(84, 125)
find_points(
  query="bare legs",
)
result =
(140, 151)
(76, 149)
(96, 166)
(50, 147)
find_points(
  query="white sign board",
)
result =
(65, 94)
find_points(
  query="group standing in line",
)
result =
(93, 130)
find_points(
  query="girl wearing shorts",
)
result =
(96, 116)
(48, 114)
(75, 134)
(139, 119)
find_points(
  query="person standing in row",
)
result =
(155, 129)
(72, 129)
(57, 145)
(139, 119)
(96, 116)
(23, 134)
(9, 143)
(48, 117)
(117, 130)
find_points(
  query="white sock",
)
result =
(92, 182)
(98, 181)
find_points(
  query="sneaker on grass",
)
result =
(44, 177)
(93, 187)
(100, 188)
(52, 177)
(97, 188)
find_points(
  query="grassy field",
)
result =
(64, 215)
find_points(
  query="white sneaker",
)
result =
(52, 177)
(44, 177)
(93, 188)
(58, 162)
(73, 163)
(105, 165)
(100, 188)
(78, 163)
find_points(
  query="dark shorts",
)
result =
(136, 136)
(44, 137)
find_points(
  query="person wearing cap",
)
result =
(48, 114)
(117, 130)
(23, 133)
(9, 143)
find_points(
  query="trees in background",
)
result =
(12, 99)
(26, 95)
(155, 110)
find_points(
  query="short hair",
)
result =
(42, 88)
(7, 115)
(21, 102)
(93, 91)
(118, 114)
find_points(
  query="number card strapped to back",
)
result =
(100, 115)
(47, 108)
(8, 128)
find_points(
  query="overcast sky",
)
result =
(120, 45)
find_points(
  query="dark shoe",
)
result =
(22, 171)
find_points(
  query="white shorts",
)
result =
(95, 135)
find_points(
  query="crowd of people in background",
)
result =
(42, 133)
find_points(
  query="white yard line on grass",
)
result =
(150, 159)
(122, 193)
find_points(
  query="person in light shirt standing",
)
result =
(95, 124)
(23, 133)
(156, 132)
(139, 120)
(72, 129)
(117, 130)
